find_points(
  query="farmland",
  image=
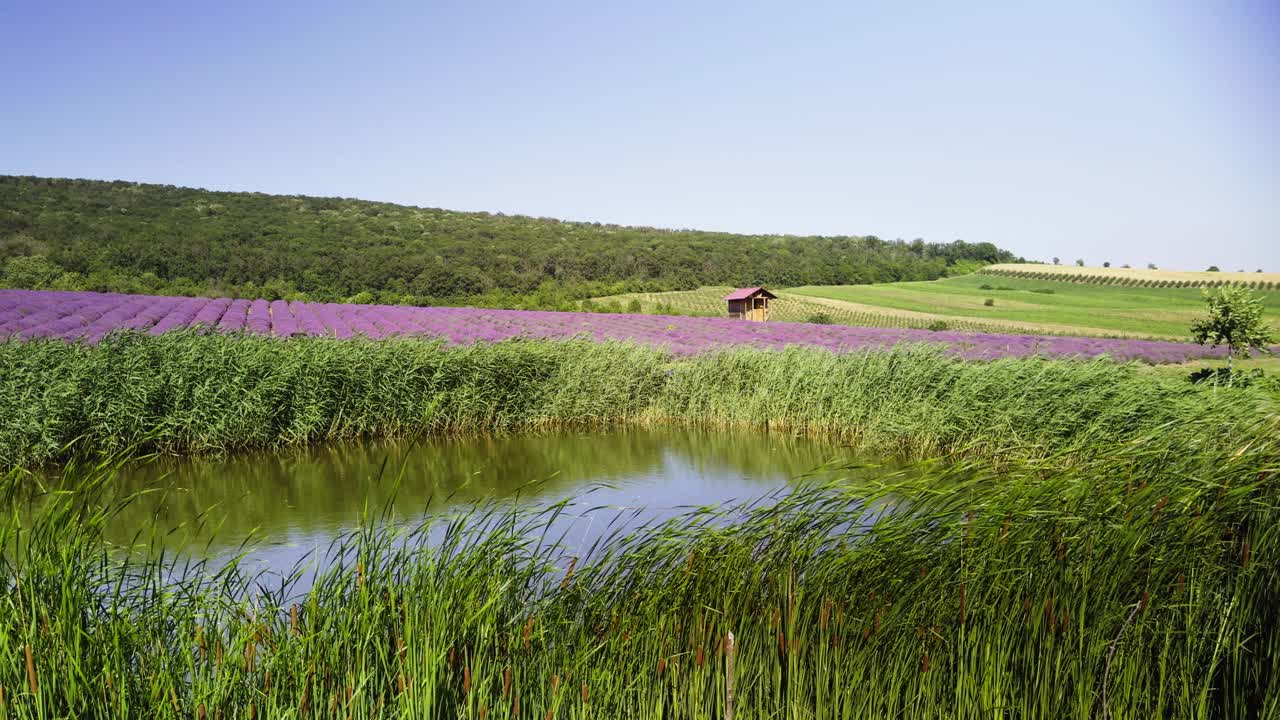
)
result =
(92, 316)
(1136, 277)
(1055, 306)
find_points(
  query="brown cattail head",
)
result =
(1146, 599)
(555, 683)
(1160, 506)
(1062, 551)
(452, 656)
(698, 657)
(1182, 582)
(1048, 611)
(866, 633)
(293, 618)
(528, 631)
(777, 617)
(484, 710)
(466, 679)
(573, 562)
(250, 649)
(584, 693)
(924, 663)
(662, 666)
(506, 680)
(31, 671)
(1245, 560)
(200, 712)
(782, 642)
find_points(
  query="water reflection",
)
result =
(295, 503)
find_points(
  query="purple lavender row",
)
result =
(91, 316)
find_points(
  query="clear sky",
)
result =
(1128, 132)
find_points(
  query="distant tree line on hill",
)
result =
(129, 237)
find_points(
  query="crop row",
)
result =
(27, 314)
(1129, 281)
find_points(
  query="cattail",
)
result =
(573, 562)
(515, 706)
(200, 711)
(866, 632)
(698, 657)
(204, 655)
(662, 665)
(878, 614)
(782, 642)
(253, 711)
(689, 564)
(266, 682)
(1062, 551)
(360, 574)
(293, 618)
(249, 649)
(550, 713)
(924, 663)
(1245, 561)
(528, 631)
(822, 616)
(31, 671)
(923, 571)
(1064, 622)
(1048, 611)
(555, 683)
(506, 680)
(452, 656)
(466, 679)
(1142, 604)
(306, 697)
(484, 710)
(777, 617)
(1182, 582)
(584, 693)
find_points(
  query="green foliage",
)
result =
(821, 318)
(1043, 291)
(129, 237)
(1212, 268)
(1136, 581)
(1234, 320)
(192, 393)
(937, 326)
(989, 302)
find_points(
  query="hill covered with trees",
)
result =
(131, 237)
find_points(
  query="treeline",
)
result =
(160, 239)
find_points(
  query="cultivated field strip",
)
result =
(1135, 277)
(89, 317)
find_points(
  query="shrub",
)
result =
(819, 319)
(937, 326)
(985, 286)
(989, 302)
(1043, 291)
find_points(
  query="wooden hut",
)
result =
(750, 303)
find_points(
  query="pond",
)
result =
(284, 507)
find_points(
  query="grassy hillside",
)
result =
(1136, 277)
(1081, 308)
(159, 239)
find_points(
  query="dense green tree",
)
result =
(1234, 320)
(130, 237)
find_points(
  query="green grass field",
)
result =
(709, 302)
(1076, 308)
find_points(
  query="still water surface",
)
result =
(293, 504)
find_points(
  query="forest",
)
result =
(117, 236)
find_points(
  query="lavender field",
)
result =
(88, 317)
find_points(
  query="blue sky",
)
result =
(1127, 132)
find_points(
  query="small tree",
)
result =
(1213, 268)
(1235, 320)
(1151, 266)
(1079, 263)
(1056, 261)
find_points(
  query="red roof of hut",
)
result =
(744, 293)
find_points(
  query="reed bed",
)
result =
(188, 393)
(1138, 582)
